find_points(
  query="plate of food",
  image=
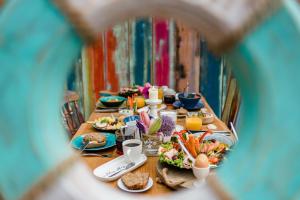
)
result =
(96, 141)
(108, 123)
(112, 101)
(100, 105)
(135, 182)
(215, 148)
(129, 91)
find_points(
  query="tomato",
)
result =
(213, 160)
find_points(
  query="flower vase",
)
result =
(151, 144)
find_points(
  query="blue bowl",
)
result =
(131, 118)
(190, 101)
(112, 101)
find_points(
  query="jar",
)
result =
(151, 144)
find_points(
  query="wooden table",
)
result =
(150, 165)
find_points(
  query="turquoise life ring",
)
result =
(38, 46)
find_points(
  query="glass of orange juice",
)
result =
(160, 93)
(140, 101)
(193, 122)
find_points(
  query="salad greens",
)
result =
(177, 160)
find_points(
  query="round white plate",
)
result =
(123, 187)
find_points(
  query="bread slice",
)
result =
(95, 139)
(135, 181)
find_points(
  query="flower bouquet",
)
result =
(154, 132)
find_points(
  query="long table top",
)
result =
(150, 165)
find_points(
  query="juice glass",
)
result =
(140, 101)
(160, 93)
(193, 122)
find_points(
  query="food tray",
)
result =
(102, 171)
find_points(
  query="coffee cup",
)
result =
(132, 149)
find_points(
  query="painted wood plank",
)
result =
(98, 66)
(88, 95)
(189, 58)
(210, 77)
(161, 45)
(121, 54)
(140, 51)
(110, 47)
(172, 52)
(231, 93)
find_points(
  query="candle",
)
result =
(153, 93)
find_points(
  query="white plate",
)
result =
(123, 187)
(102, 171)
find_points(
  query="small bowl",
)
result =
(208, 119)
(131, 118)
(112, 101)
(190, 101)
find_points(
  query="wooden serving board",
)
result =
(174, 177)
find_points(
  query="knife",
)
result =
(120, 169)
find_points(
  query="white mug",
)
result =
(132, 149)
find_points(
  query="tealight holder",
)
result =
(153, 106)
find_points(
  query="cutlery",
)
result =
(99, 155)
(122, 168)
(84, 146)
(108, 110)
(227, 133)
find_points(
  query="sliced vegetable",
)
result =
(155, 126)
(197, 145)
(192, 147)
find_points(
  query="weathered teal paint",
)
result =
(265, 163)
(142, 50)
(37, 47)
(210, 77)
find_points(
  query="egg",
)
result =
(201, 161)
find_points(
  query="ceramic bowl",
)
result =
(208, 119)
(112, 101)
(190, 101)
(131, 118)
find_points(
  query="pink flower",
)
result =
(148, 85)
(145, 91)
(140, 88)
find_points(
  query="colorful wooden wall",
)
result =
(162, 52)
(135, 52)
